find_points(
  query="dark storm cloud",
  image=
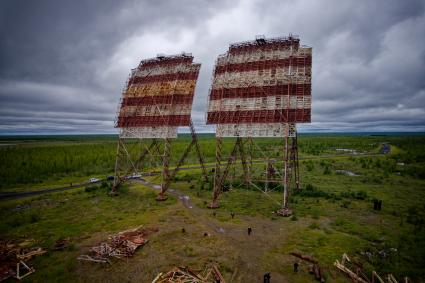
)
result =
(63, 63)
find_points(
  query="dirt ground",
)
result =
(240, 257)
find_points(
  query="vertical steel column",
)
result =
(217, 175)
(165, 170)
(198, 150)
(269, 169)
(250, 152)
(285, 211)
(286, 174)
(247, 177)
(117, 178)
(296, 161)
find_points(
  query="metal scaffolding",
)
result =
(157, 100)
(260, 88)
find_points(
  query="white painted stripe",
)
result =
(162, 70)
(148, 132)
(300, 75)
(260, 103)
(156, 110)
(256, 130)
(263, 55)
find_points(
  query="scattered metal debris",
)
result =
(382, 254)
(123, 244)
(358, 276)
(304, 257)
(12, 258)
(89, 258)
(27, 254)
(314, 268)
(61, 244)
(28, 269)
(211, 274)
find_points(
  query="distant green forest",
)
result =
(41, 160)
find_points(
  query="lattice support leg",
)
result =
(296, 162)
(165, 170)
(250, 153)
(217, 175)
(199, 153)
(285, 211)
(245, 166)
(121, 162)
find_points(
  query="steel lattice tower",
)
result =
(156, 100)
(261, 88)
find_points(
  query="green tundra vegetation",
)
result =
(333, 213)
(40, 161)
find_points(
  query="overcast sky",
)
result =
(63, 64)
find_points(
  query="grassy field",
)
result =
(333, 214)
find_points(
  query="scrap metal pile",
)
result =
(211, 274)
(12, 260)
(123, 244)
(356, 274)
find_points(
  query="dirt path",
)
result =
(266, 235)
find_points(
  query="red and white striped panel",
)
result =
(148, 132)
(158, 97)
(261, 87)
(256, 130)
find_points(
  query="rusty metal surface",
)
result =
(264, 81)
(159, 93)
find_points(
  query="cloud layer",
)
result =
(63, 64)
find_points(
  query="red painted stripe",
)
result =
(260, 91)
(153, 121)
(253, 46)
(160, 99)
(164, 77)
(164, 62)
(260, 116)
(264, 65)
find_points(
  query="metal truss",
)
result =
(244, 149)
(131, 158)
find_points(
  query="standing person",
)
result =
(296, 267)
(249, 231)
(267, 277)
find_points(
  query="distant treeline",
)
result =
(37, 159)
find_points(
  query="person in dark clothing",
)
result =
(296, 267)
(232, 214)
(249, 231)
(267, 278)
